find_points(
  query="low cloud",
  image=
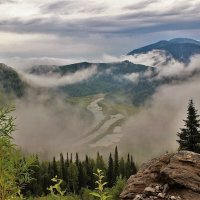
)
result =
(153, 130)
(47, 125)
(166, 66)
(153, 58)
(55, 80)
(24, 64)
(177, 69)
(133, 77)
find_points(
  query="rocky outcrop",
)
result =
(170, 176)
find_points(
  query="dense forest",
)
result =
(29, 177)
(77, 174)
(69, 177)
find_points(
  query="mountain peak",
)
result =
(181, 49)
(184, 40)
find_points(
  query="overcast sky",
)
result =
(77, 30)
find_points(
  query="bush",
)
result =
(14, 169)
(86, 194)
(117, 188)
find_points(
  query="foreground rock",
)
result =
(171, 176)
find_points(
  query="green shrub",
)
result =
(86, 194)
(14, 169)
(117, 188)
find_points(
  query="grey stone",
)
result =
(165, 188)
(149, 190)
(161, 195)
(177, 173)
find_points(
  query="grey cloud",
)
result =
(179, 17)
(98, 26)
(69, 7)
(97, 34)
(64, 7)
(139, 5)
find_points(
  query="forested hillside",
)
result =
(10, 81)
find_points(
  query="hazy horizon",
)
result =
(66, 31)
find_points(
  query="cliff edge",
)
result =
(170, 176)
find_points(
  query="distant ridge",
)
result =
(181, 49)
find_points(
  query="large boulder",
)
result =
(176, 175)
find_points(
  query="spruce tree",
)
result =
(82, 177)
(100, 163)
(73, 177)
(89, 167)
(62, 168)
(122, 169)
(66, 171)
(133, 166)
(55, 168)
(116, 165)
(110, 172)
(77, 160)
(71, 158)
(128, 166)
(189, 136)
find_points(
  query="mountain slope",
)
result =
(10, 81)
(180, 49)
(110, 78)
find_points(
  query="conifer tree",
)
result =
(189, 136)
(55, 168)
(81, 176)
(89, 166)
(50, 170)
(71, 158)
(67, 160)
(100, 163)
(66, 171)
(62, 168)
(133, 167)
(110, 172)
(73, 177)
(122, 169)
(128, 166)
(116, 165)
(77, 160)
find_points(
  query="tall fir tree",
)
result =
(116, 164)
(55, 168)
(89, 167)
(73, 177)
(66, 171)
(122, 169)
(62, 168)
(128, 166)
(189, 136)
(133, 166)
(110, 172)
(82, 177)
(50, 170)
(100, 163)
(71, 158)
(77, 160)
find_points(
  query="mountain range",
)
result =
(108, 96)
(125, 78)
